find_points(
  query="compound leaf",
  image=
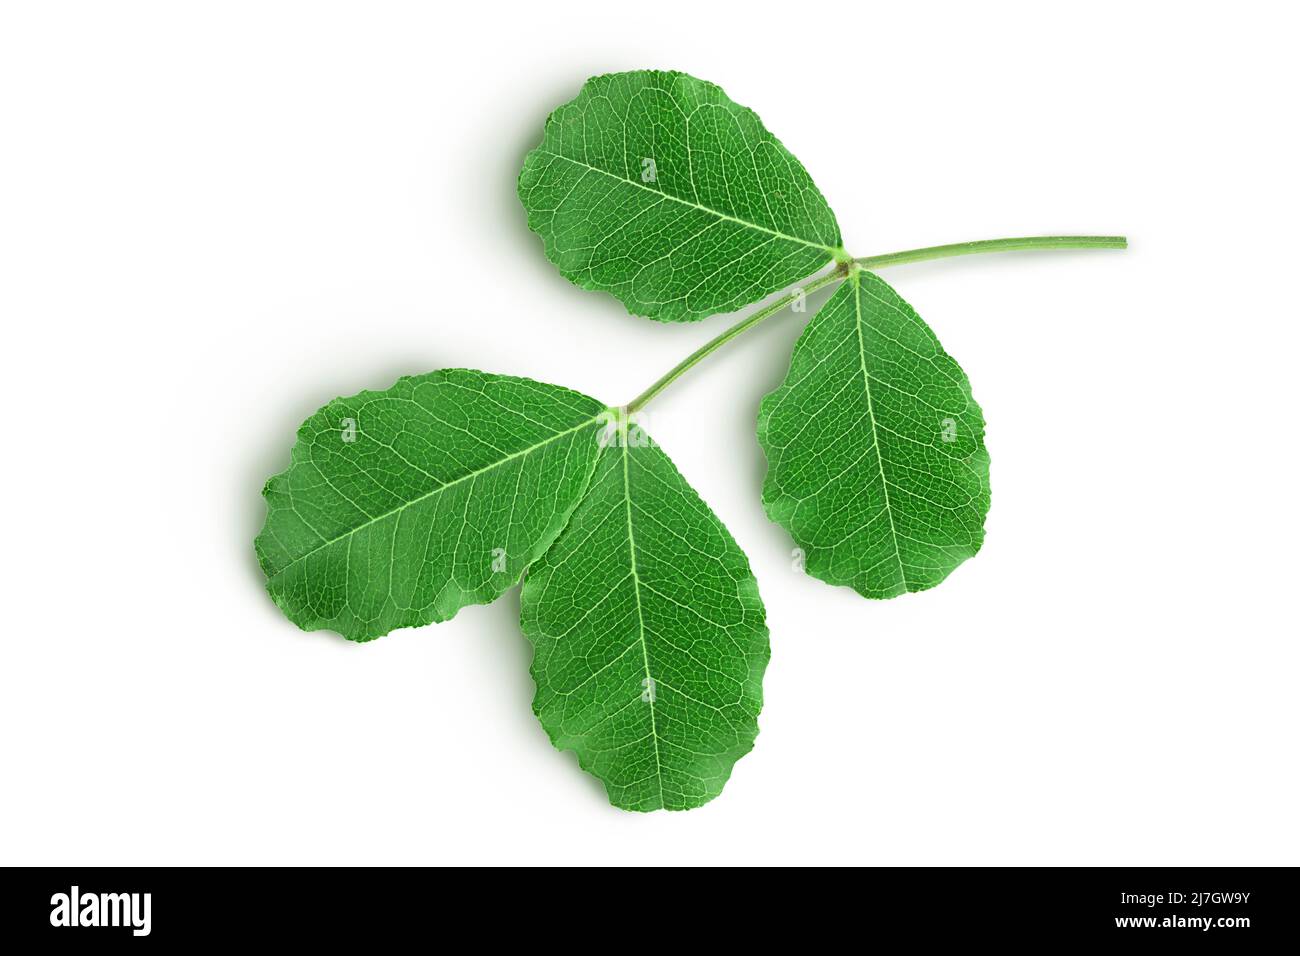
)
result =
(875, 447)
(649, 636)
(401, 507)
(656, 187)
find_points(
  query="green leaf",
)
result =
(649, 635)
(875, 447)
(659, 189)
(403, 506)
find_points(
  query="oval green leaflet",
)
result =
(649, 635)
(659, 189)
(401, 507)
(875, 447)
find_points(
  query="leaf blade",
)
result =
(875, 447)
(645, 594)
(728, 217)
(432, 471)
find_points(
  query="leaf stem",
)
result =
(994, 245)
(871, 262)
(711, 346)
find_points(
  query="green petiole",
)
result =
(871, 262)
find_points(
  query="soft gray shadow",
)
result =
(494, 159)
(502, 150)
(516, 652)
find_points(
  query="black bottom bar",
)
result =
(1229, 907)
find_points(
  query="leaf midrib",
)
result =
(469, 476)
(640, 617)
(871, 417)
(694, 205)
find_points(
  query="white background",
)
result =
(217, 217)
